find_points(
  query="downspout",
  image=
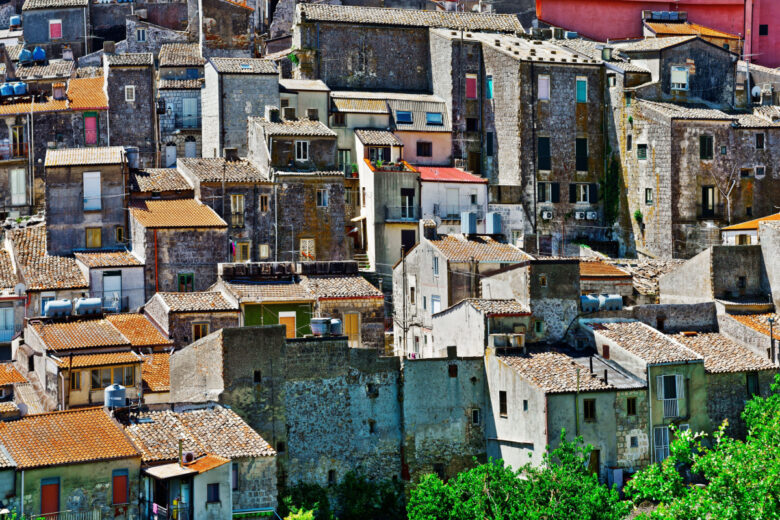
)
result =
(86, 40)
(21, 502)
(535, 195)
(577, 406)
(254, 219)
(651, 430)
(30, 160)
(62, 391)
(156, 280)
(276, 223)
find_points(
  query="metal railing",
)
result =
(187, 122)
(71, 515)
(402, 213)
(114, 304)
(454, 212)
(237, 219)
(13, 151)
(671, 408)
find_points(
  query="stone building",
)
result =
(597, 277)
(351, 110)
(116, 277)
(187, 317)
(423, 126)
(180, 243)
(179, 83)
(55, 26)
(164, 183)
(227, 28)
(243, 196)
(304, 99)
(85, 198)
(130, 85)
(235, 89)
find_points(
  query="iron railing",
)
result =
(671, 408)
(715, 211)
(454, 212)
(94, 514)
(13, 151)
(402, 213)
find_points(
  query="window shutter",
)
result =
(92, 191)
(680, 75)
(18, 191)
(540, 192)
(593, 196)
(572, 193)
(680, 384)
(659, 387)
(556, 192)
(471, 87)
(489, 93)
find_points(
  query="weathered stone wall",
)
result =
(322, 154)
(108, 22)
(256, 483)
(711, 73)
(242, 96)
(158, 312)
(133, 122)
(754, 340)
(689, 283)
(372, 317)
(180, 328)
(769, 234)
(633, 443)
(727, 394)
(677, 318)
(156, 36)
(226, 29)
(36, 30)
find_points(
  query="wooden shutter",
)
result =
(50, 496)
(680, 384)
(572, 193)
(659, 387)
(119, 488)
(593, 196)
(555, 192)
(90, 130)
(471, 87)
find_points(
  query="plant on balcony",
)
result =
(379, 163)
(638, 216)
(354, 168)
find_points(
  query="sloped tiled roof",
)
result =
(269, 292)
(138, 329)
(554, 372)
(7, 407)
(89, 72)
(216, 169)
(180, 55)
(344, 286)
(107, 259)
(9, 375)
(298, 128)
(217, 431)
(654, 44)
(598, 269)
(445, 174)
(6, 461)
(79, 334)
(180, 84)
(760, 323)
(645, 342)
(459, 248)
(29, 5)
(130, 59)
(682, 28)
(158, 179)
(40, 270)
(180, 213)
(752, 224)
(28, 399)
(409, 17)
(99, 360)
(498, 307)
(722, 354)
(359, 105)
(206, 301)
(207, 463)
(84, 156)
(87, 94)
(69, 437)
(243, 66)
(155, 372)
(311, 85)
(8, 279)
(52, 69)
(756, 119)
(370, 137)
(592, 49)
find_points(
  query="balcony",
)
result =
(671, 408)
(237, 220)
(11, 151)
(383, 166)
(402, 213)
(187, 122)
(95, 514)
(116, 304)
(454, 212)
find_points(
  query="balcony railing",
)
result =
(10, 151)
(187, 122)
(454, 212)
(671, 408)
(237, 219)
(402, 213)
(72, 515)
(711, 212)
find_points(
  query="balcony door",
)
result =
(112, 290)
(708, 201)
(190, 112)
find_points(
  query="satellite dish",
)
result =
(756, 91)
(19, 289)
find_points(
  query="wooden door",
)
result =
(352, 328)
(50, 496)
(289, 322)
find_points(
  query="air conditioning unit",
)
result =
(498, 341)
(592, 215)
(547, 215)
(187, 457)
(579, 215)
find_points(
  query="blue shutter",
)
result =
(489, 93)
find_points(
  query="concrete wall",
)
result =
(256, 483)
(689, 283)
(36, 30)
(132, 285)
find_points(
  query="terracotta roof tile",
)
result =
(371, 137)
(243, 66)
(722, 354)
(107, 259)
(213, 169)
(7, 407)
(180, 84)
(751, 224)
(8, 278)
(78, 334)
(443, 174)
(69, 437)
(49, 104)
(41, 271)
(53, 4)
(180, 55)
(87, 94)
(679, 111)
(27, 397)
(667, 28)
(269, 292)
(158, 179)
(334, 286)
(654, 44)
(644, 342)
(195, 301)
(554, 372)
(155, 372)
(498, 307)
(9, 375)
(138, 330)
(181, 213)
(84, 156)
(459, 248)
(359, 105)
(760, 323)
(130, 59)
(52, 69)
(599, 269)
(300, 127)
(99, 360)
(206, 463)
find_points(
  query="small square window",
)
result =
(140, 35)
(472, 124)
(760, 172)
(212, 493)
(130, 93)
(185, 282)
(199, 330)
(119, 232)
(542, 280)
(723, 150)
(539, 327)
(679, 80)
(424, 149)
(55, 29)
(281, 447)
(258, 377)
(471, 86)
(741, 282)
(641, 152)
(634, 441)
(476, 416)
(403, 117)
(434, 118)
(301, 150)
(763, 30)
(452, 370)
(631, 406)
(322, 198)
(331, 477)
(589, 410)
(339, 119)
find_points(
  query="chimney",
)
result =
(230, 154)
(58, 90)
(181, 443)
(272, 114)
(428, 229)
(10, 70)
(67, 53)
(590, 359)
(109, 47)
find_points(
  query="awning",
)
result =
(167, 471)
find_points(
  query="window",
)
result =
(263, 251)
(185, 282)
(345, 162)
(140, 35)
(130, 93)
(525, 405)
(376, 153)
(542, 280)
(371, 426)
(242, 251)
(119, 234)
(669, 389)
(93, 239)
(581, 152)
(212, 493)
(473, 198)
(322, 198)
(705, 147)
(760, 172)
(582, 90)
(539, 327)
(629, 142)
(472, 124)
(75, 380)
(90, 129)
(628, 99)
(543, 160)
(471, 86)
(581, 193)
(237, 210)
(707, 201)
(452, 370)
(263, 203)
(435, 304)
(589, 410)
(641, 152)
(435, 266)
(631, 406)
(489, 87)
(18, 187)
(301, 150)
(129, 375)
(234, 476)
(723, 150)
(751, 379)
(679, 78)
(55, 29)
(281, 447)
(434, 118)
(502, 408)
(649, 196)
(424, 149)
(489, 136)
(403, 117)
(634, 441)
(284, 103)
(199, 330)
(101, 378)
(411, 295)
(331, 477)
(759, 141)
(312, 114)
(339, 119)
(476, 416)
(308, 249)
(119, 486)
(425, 303)
(605, 351)
(745, 172)
(544, 87)
(661, 442)
(92, 200)
(741, 282)
(763, 30)
(257, 377)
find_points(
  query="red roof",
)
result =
(439, 174)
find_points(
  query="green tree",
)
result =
(300, 514)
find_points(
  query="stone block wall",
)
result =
(243, 96)
(678, 318)
(769, 235)
(372, 317)
(227, 29)
(256, 483)
(133, 122)
(633, 442)
(726, 397)
(756, 341)
(180, 324)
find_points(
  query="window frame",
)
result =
(238, 257)
(212, 496)
(200, 326)
(322, 197)
(641, 151)
(138, 32)
(93, 232)
(503, 408)
(582, 192)
(682, 87)
(263, 251)
(435, 264)
(424, 149)
(760, 141)
(130, 93)
(92, 203)
(706, 147)
(489, 86)
(264, 203)
(429, 122)
(189, 280)
(407, 119)
(578, 158)
(649, 196)
(75, 377)
(539, 80)
(339, 119)
(56, 21)
(435, 304)
(539, 156)
(589, 413)
(301, 151)
(577, 82)
(631, 406)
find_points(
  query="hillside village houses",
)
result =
(222, 217)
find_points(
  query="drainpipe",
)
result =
(276, 223)
(21, 501)
(651, 430)
(577, 406)
(534, 101)
(156, 279)
(62, 391)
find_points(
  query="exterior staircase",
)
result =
(362, 261)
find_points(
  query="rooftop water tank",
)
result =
(86, 306)
(335, 327)
(132, 156)
(6, 89)
(114, 396)
(468, 223)
(38, 54)
(320, 326)
(15, 20)
(20, 88)
(589, 302)
(55, 308)
(25, 55)
(610, 302)
(493, 223)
